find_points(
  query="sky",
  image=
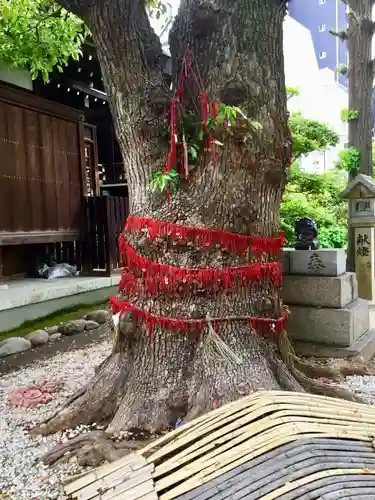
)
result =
(158, 25)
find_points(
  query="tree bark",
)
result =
(361, 76)
(236, 54)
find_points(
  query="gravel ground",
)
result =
(22, 475)
(363, 386)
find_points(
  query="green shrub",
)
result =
(316, 196)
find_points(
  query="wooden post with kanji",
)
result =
(361, 195)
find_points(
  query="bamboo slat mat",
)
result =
(294, 445)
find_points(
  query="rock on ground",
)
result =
(23, 476)
(101, 316)
(14, 345)
(91, 325)
(38, 337)
(55, 336)
(72, 327)
(51, 330)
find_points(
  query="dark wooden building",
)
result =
(63, 187)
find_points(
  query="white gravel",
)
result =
(22, 475)
(363, 386)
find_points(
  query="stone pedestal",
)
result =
(327, 317)
(318, 291)
(330, 326)
(324, 262)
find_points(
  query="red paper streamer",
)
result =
(172, 142)
(204, 108)
(214, 110)
(205, 237)
(206, 277)
(180, 325)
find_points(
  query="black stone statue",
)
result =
(306, 232)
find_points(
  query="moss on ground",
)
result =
(51, 320)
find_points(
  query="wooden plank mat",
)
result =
(202, 451)
(129, 478)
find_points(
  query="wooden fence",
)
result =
(106, 216)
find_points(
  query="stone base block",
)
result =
(325, 262)
(284, 259)
(320, 291)
(364, 347)
(322, 325)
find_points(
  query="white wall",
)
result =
(321, 98)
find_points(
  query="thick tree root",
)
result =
(90, 449)
(169, 379)
(96, 402)
(313, 378)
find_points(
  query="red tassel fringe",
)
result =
(204, 238)
(179, 325)
(228, 277)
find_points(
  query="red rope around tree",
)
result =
(179, 325)
(205, 237)
(206, 277)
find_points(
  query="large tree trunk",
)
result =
(236, 57)
(361, 76)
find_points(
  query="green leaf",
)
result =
(193, 152)
(173, 174)
(5, 13)
(161, 181)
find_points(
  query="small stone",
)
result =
(72, 327)
(14, 345)
(51, 330)
(38, 337)
(101, 316)
(91, 325)
(55, 336)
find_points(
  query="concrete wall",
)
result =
(14, 76)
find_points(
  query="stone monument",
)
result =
(361, 195)
(327, 317)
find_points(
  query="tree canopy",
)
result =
(310, 135)
(39, 35)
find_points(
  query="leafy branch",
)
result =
(342, 69)
(349, 114)
(165, 181)
(342, 34)
(292, 92)
(38, 36)
(310, 135)
(349, 160)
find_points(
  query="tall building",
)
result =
(320, 16)
(320, 97)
